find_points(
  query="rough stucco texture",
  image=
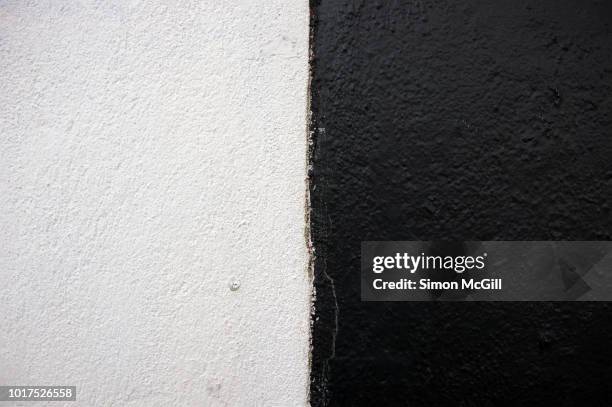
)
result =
(459, 120)
(149, 154)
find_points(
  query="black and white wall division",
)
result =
(446, 120)
(177, 179)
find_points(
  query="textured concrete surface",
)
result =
(150, 153)
(459, 120)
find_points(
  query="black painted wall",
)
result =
(445, 119)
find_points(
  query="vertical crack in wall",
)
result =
(325, 310)
(307, 202)
(308, 206)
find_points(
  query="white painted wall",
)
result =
(150, 152)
